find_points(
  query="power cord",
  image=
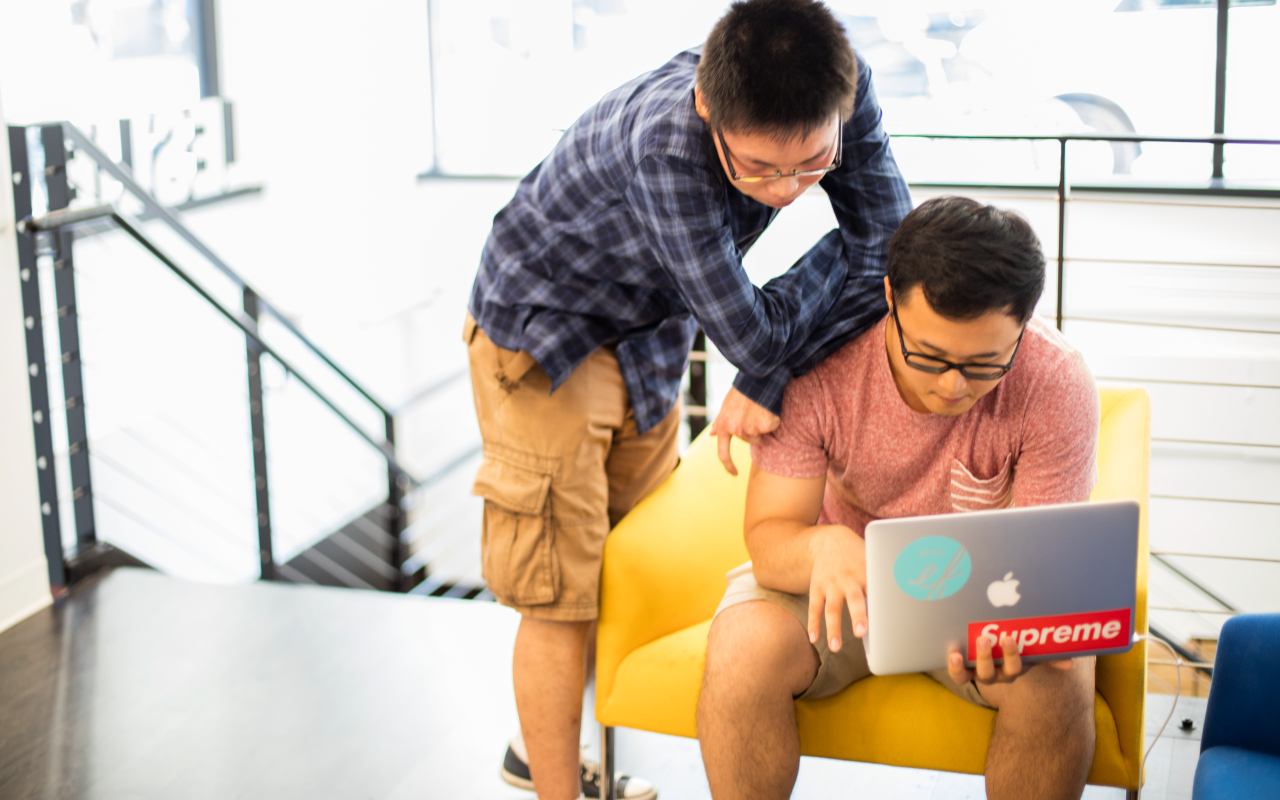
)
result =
(1177, 692)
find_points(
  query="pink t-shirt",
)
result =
(1029, 441)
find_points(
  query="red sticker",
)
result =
(1064, 633)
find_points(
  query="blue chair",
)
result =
(1240, 749)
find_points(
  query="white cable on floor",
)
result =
(1177, 693)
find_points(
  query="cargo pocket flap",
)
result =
(518, 489)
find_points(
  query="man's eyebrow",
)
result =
(943, 352)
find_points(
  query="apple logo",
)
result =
(1004, 592)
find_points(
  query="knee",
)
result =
(1064, 696)
(755, 647)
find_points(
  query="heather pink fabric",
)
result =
(1030, 441)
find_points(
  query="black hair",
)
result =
(969, 259)
(777, 66)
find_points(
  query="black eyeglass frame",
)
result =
(777, 174)
(941, 366)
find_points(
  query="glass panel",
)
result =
(98, 59)
(1253, 62)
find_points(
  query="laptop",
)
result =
(1061, 578)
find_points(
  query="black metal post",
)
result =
(64, 288)
(33, 321)
(1220, 88)
(698, 384)
(1063, 188)
(608, 762)
(395, 508)
(258, 439)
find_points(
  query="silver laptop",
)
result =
(1061, 578)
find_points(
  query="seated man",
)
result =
(957, 400)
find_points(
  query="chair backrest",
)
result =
(1244, 698)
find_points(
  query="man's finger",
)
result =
(956, 669)
(723, 440)
(834, 616)
(857, 610)
(815, 614)
(983, 667)
(1012, 657)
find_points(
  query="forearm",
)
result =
(780, 554)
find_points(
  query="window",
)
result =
(97, 60)
(510, 76)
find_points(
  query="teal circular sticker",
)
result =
(932, 568)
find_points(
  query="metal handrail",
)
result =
(1221, 556)
(104, 162)
(1087, 137)
(56, 220)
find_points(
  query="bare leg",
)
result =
(1044, 737)
(758, 659)
(549, 671)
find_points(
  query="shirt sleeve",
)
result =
(1057, 461)
(797, 449)
(869, 198)
(680, 208)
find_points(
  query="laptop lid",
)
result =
(1060, 577)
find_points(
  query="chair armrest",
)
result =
(1124, 443)
(664, 563)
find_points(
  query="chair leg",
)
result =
(606, 763)
(1131, 794)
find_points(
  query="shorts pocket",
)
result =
(972, 493)
(518, 557)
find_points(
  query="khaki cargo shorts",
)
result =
(835, 670)
(559, 470)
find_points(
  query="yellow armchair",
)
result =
(663, 576)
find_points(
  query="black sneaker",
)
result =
(516, 772)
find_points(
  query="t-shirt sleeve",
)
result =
(1057, 461)
(797, 449)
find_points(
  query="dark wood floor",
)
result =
(144, 686)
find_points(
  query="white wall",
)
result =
(24, 576)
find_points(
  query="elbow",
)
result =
(751, 359)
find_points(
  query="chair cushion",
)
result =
(1231, 772)
(913, 722)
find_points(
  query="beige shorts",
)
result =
(559, 470)
(835, 670)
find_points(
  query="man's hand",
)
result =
(838, 580)
(742, 417)
(984, 667)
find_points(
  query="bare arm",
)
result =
(791, 553)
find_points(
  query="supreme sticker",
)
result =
(1061, 634)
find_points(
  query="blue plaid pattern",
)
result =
(629, 233)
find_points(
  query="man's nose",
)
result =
(952, 383)
(785, 187)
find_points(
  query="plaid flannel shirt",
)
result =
(629, 233)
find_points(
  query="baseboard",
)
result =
(23, 592)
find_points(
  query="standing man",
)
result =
(624, 240)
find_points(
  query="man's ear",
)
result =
(888, 292)
(700, 105)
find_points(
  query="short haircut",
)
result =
(968, 258)
(782, 67)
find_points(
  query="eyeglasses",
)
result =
(938, 366)
(795, 173)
